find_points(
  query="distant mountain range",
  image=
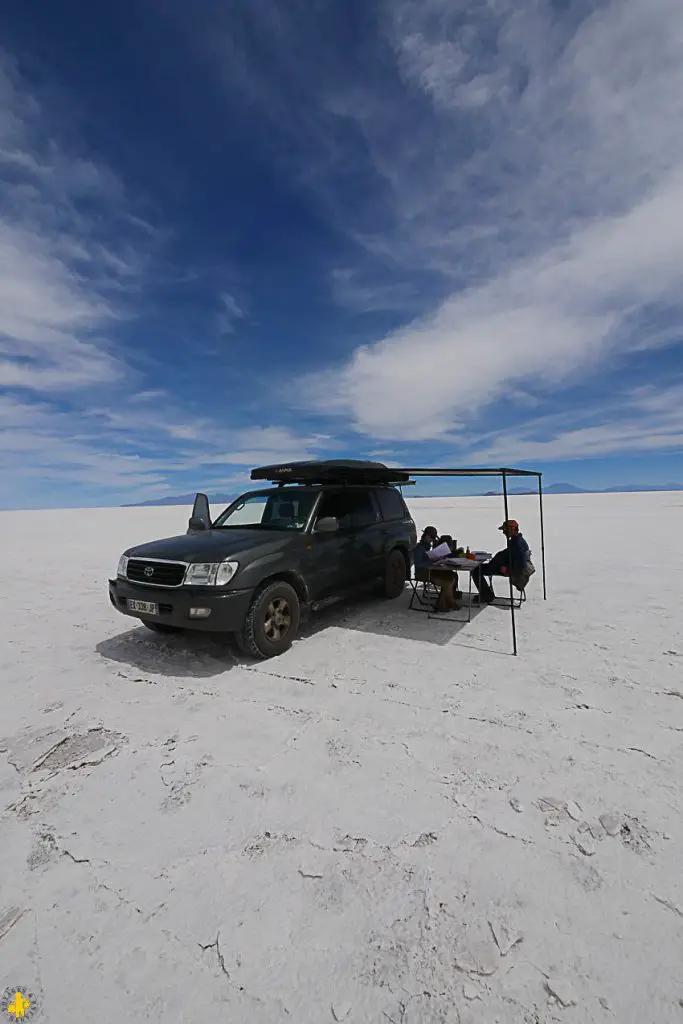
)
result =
(561, 488)
(573, 489)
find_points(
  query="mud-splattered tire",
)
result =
(160, 627)
(272, 622)
(395, 575)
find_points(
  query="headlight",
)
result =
(122, 568)
(225, 572)
(210, 574)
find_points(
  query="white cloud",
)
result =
(132, 452)
(47, 317)
(39, 443)
(648, 419)
(353, 291)
(546, 184)
(231, 312)
(542, 320)
(264, 446)
(60, 276)
(65, 286)
(619, 438)
(215, 444)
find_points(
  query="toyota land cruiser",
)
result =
(324, 530)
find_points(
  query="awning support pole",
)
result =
(540, 501)
(512, 600)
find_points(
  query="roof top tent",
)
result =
(331, 471)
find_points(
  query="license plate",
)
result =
(145, 607)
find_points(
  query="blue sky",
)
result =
(446, 232)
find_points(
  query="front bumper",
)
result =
(228, 608)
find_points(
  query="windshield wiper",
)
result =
(238, 526)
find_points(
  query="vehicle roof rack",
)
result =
(331, 471)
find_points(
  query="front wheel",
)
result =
(272, 622)
(395, 575)
(160, 627)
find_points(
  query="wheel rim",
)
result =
(396, 572)
(278, 619)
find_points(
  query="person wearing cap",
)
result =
(445, 579)
(511, 561)
(424, 546)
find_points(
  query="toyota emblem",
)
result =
(149, 570)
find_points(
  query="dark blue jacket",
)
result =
(519, 554)
(421, 556)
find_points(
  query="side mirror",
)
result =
(201, 514)
(327, 525)
(196, 525)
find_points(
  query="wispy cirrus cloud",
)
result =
(41, 446)
(259, 446)
(539, 322)
(72, 251)
(71, 247)
(575, 183)
(352, 291)
(518, 157)
(200, 442)
(644, 420)
(490, 191)
(230, 314)
(75, 253)
(133, 451)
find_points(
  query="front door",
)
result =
(352, 555)
(324, 558)
(367, 537)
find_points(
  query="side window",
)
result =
(363, 511)
(391, 504)
(353, 509)
(332, 505)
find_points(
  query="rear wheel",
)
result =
(272, 622)
(160, 627)
(395, 575)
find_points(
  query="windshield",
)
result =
(269, 510)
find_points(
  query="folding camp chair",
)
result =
(517, 601)
(425, 598)
(424, 595)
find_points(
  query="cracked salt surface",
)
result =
(382, 825)
(79, 750)
(562, 991)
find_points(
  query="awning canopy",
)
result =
(503, 473)
(474, 471)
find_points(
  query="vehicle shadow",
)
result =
(203, 655)
(393, 618)
(194, 654)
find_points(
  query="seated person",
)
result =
(452, 553)
(445, 579)
(427, 541)
(512, 560)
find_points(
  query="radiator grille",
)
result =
(155, 574)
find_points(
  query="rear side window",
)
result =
(352, 508)
(391, 504)
(363, 511)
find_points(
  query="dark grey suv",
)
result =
(326, 530)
